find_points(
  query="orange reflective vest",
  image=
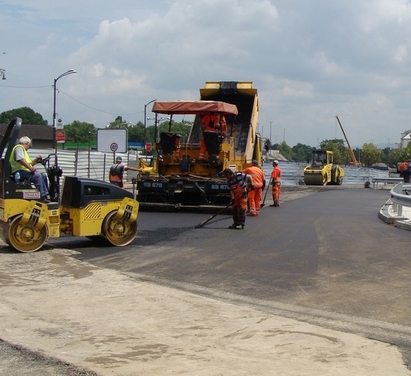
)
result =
(276, 175)
(257, 174)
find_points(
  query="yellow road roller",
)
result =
(322, 170)
(87, 207)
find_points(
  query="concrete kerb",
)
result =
(389, 214)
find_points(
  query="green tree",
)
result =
(285, 150)
(302, 153)
(340, 152)
(398, 155)
(120, 123)
(136, 132)
(370, 154)
(180, 128)
(385, 154)
(80, 131)
(27, 115)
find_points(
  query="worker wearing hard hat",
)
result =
(276, 183)
(254, 195)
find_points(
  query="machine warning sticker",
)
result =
(31, 195)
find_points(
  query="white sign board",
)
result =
(112, 140)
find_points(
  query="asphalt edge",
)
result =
(388, 214)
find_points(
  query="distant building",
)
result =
(41, 135)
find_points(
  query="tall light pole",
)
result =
(71, 71)
(56, 178)
(145, 124)
(271, 123)
(156, 123)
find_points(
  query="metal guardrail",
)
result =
(401, 196)
(375, 181)
(87, 164)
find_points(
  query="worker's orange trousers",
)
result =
(254, 200)
(276, 193)
(239, 205)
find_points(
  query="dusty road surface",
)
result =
(106, 322)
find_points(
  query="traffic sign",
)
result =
(60, 136)
(148, 146)
(113, 146)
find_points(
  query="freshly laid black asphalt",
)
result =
(327, 251)
(323, 258)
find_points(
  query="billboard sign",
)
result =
(110, 140)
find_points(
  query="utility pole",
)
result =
(270, 130)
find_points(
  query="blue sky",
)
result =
(309, 60)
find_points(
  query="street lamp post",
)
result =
(271, 123)
(71, 71)
(56, 177)
(145, 124)
(156, 127)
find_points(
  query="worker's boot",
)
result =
(236, 227)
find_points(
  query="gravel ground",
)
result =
(17, 361)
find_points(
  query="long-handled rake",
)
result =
(212, 216)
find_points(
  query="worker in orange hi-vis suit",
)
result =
(212, 126)
(254, 195)
(403, 166)
(238, 182)
(276, 183)
(222, 127)
(209, 131)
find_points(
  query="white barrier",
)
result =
(375, 181)
(401, 196)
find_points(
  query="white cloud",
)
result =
(309, 60)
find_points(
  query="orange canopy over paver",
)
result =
(194, 107)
